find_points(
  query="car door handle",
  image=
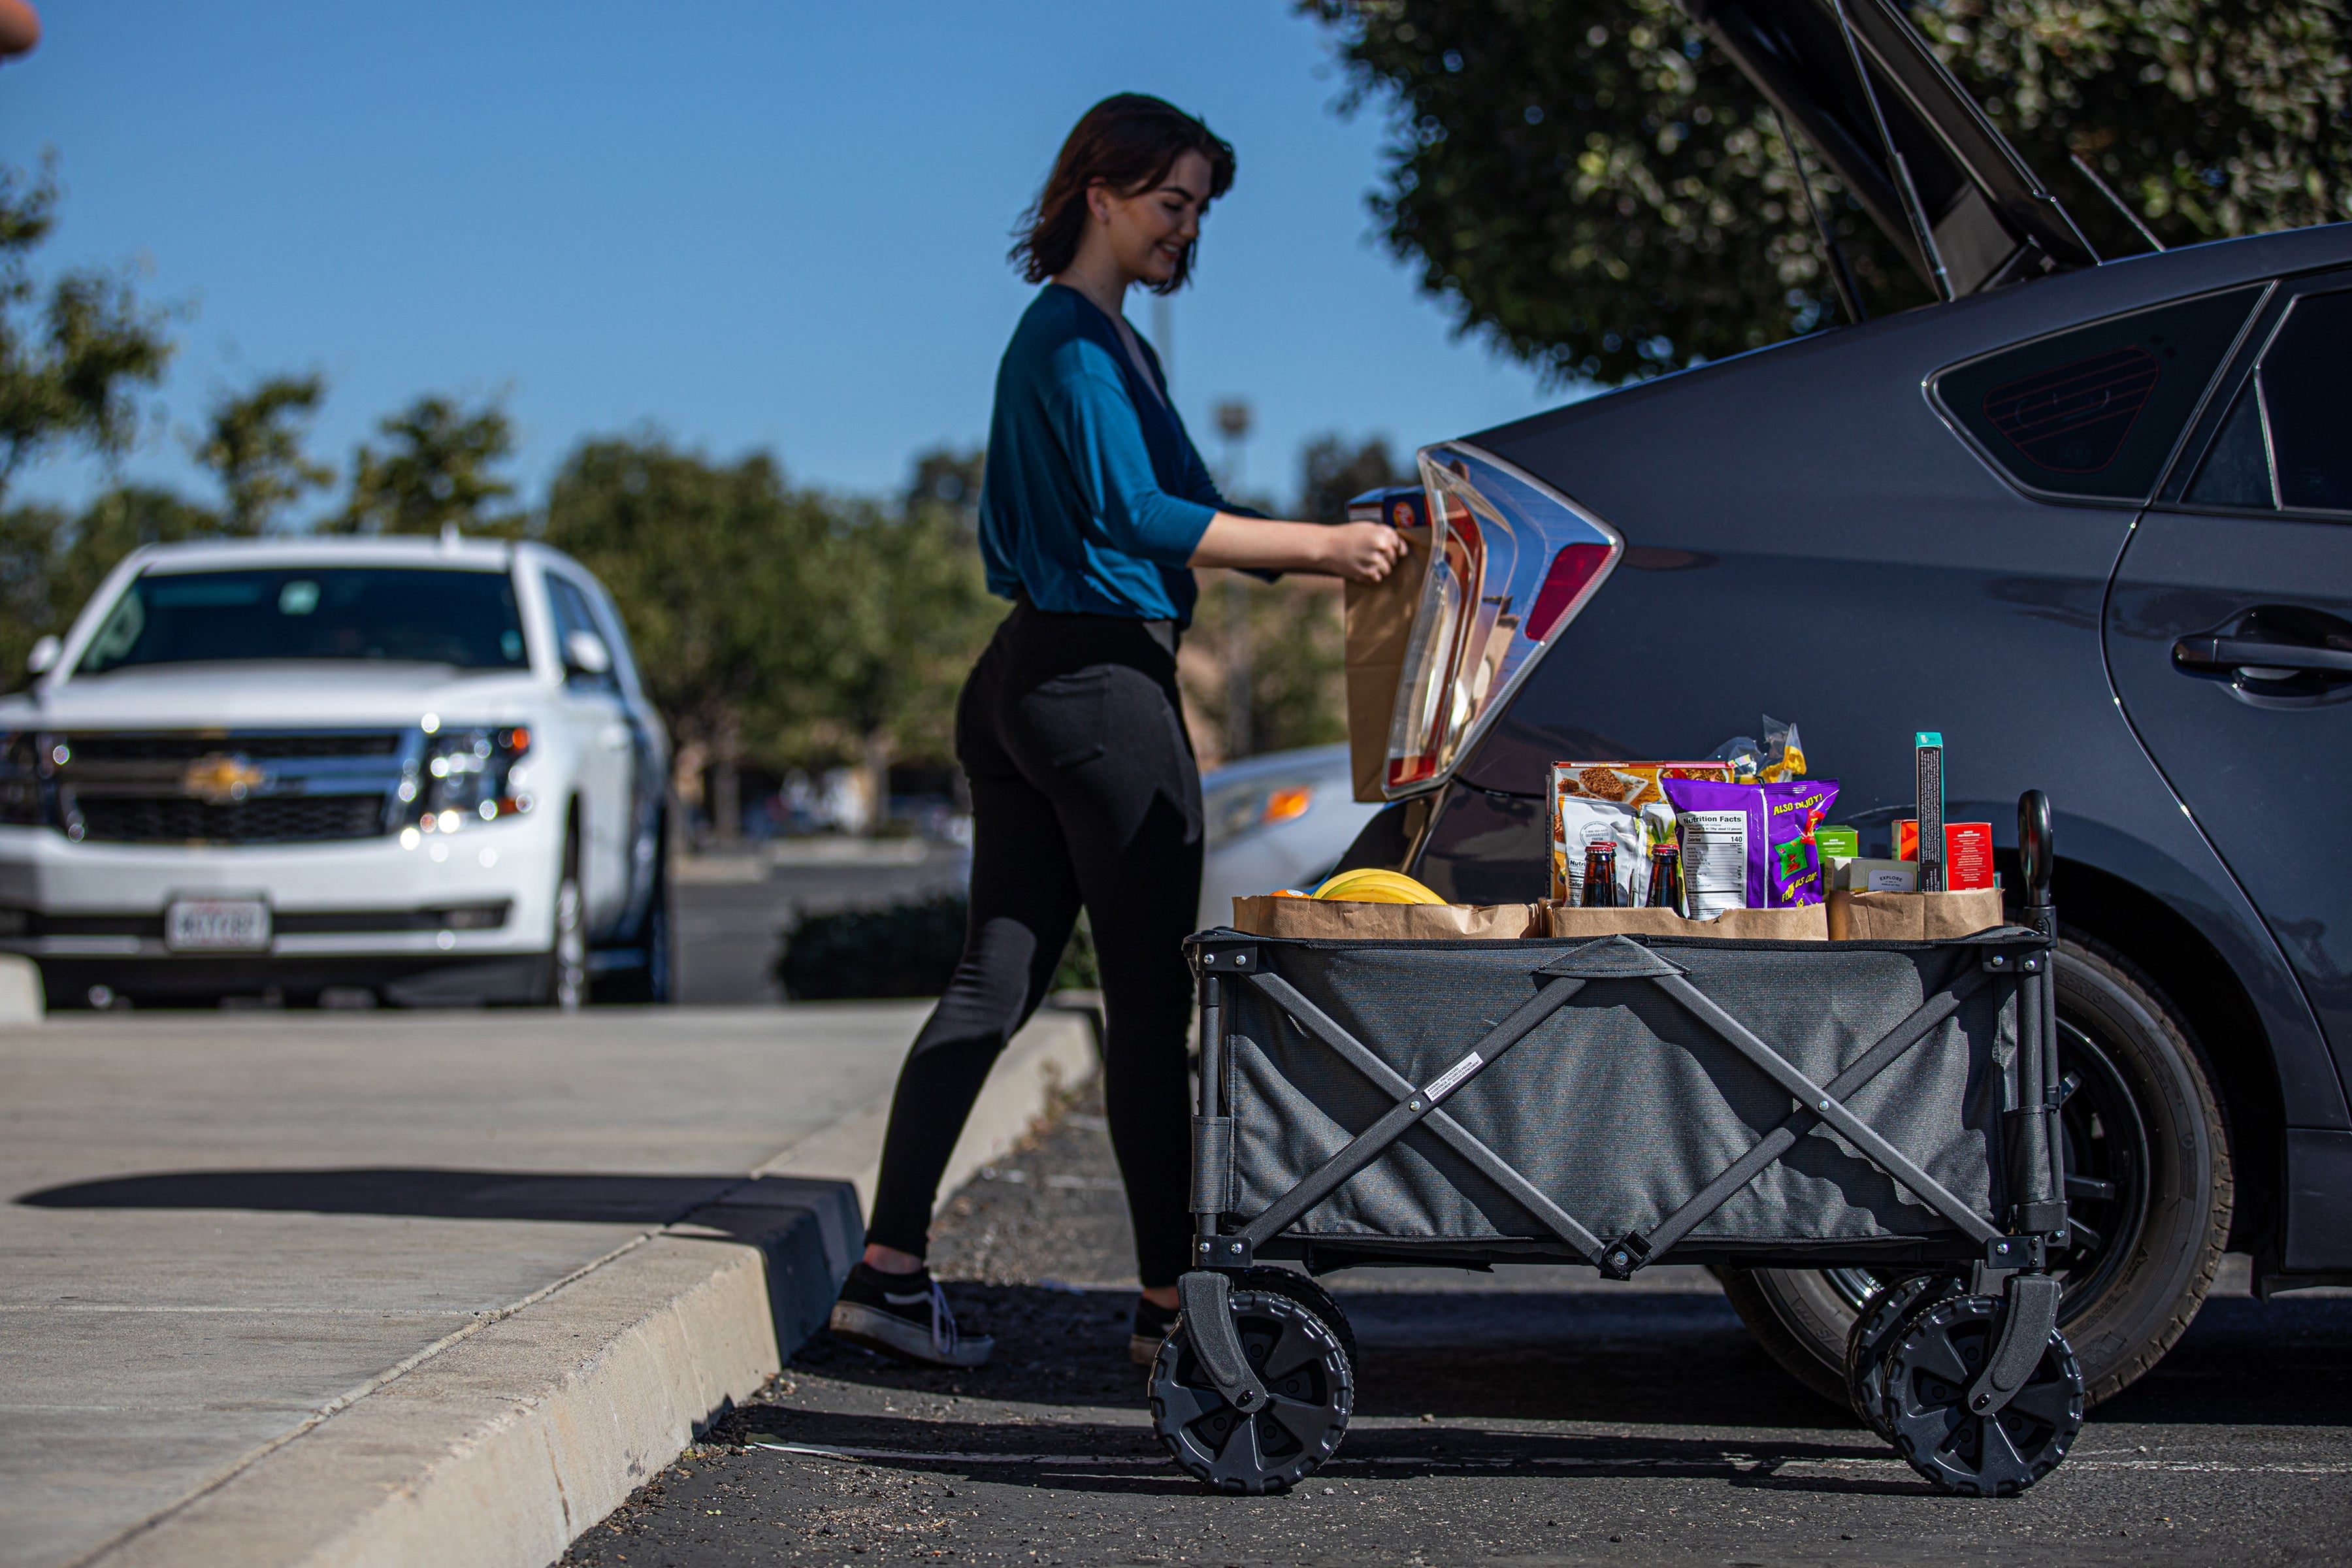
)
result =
(2239, 653)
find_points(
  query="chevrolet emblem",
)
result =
(219, 778)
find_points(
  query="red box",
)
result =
(1968, 852)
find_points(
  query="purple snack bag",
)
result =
(1722, 828)
(1792, 860)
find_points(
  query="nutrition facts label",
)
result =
(1715, 861)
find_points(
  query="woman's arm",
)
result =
(1359, 552)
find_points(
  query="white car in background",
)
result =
(1281, 820)
(408, 770)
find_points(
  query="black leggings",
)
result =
(1084, 792)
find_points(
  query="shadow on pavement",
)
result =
(420, 1193)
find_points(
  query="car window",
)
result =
(569, 609)
(430, 615)
(2286, 445)
(2092, 414)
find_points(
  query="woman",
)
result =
(1095, 508)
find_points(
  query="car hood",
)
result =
(1992, 219)
(274, 695)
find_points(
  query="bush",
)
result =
(903, 950)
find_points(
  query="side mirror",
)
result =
(584, 653)
(43, 657)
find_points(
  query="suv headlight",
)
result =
(466, 778)
(20, 779)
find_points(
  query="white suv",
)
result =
(421, 769)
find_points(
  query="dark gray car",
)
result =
(2092, 523)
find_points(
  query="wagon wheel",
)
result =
(1303, 1289)
(1882, 1322)
(1310, 1387)
(1925, 1373)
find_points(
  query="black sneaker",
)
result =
(1151, 1326)
(907, 1316)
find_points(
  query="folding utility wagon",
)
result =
(1621, 1102)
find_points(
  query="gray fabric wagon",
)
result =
(1623, 1101)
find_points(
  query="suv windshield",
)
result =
(429, 616)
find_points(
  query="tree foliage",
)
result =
(437, 470)
(1595, 187)
(253, 445)
(72, 361)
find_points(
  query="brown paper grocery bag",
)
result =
(1806, 922)
(1380, 617)
(1338, 920)
(1912, 917)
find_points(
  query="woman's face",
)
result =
(1150, 230)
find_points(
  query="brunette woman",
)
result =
(1094, 511)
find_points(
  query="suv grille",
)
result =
(183, 747)
(211, 787)
(293, 820)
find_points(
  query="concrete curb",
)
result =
(498, 1447)
(21, 1001)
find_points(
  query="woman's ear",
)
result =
(1098, 201)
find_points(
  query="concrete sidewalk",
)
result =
(418, 1288)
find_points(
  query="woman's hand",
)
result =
(1362, 551)
(1359, 552)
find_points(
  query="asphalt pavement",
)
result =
(1540, 1416)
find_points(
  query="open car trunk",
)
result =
(1989, 220)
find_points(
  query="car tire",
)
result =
(564, 968)
(2150, 1189)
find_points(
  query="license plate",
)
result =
(216, 925)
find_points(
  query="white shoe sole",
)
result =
(893, 1335)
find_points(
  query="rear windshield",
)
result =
(464, 619)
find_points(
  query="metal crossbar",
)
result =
(1415, 1105)
(1667, 1232)
(1456, 1136)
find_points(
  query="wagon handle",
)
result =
(2037, 846)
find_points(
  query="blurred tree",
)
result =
(253, 443)
(70, 365)
(1594, 186)
(52, 560)
(1293, 687)
(909, 612)
(718, 573)
(437, 470)
(1332, 473)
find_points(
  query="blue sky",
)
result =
(776, 224)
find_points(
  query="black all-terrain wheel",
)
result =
(1303, 1289)
(1879, 1324)
(1310, 1385)
(1925, 1376)
(2149, 1190)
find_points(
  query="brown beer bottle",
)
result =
(1601, 876)
(1666, 878)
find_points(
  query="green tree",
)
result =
(52, 560)
(71, 363)
(437, 468)
(908, 613)
(1293, 631)
(253, 445)
(1332, 472)
(1594, 187)
(715, 569)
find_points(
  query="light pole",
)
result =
(1234, 419)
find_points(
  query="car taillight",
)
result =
(1512, 562)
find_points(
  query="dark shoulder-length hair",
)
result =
(1129, 140)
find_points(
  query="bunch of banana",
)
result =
(1371, 885)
